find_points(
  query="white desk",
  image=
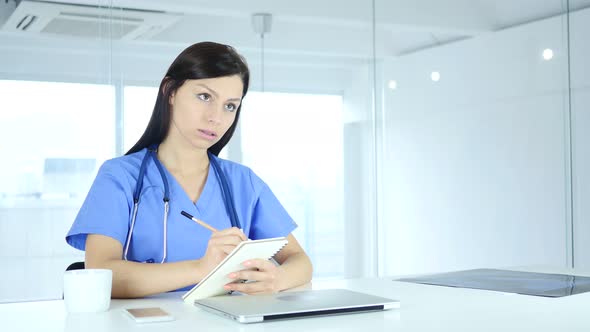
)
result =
(423, 308)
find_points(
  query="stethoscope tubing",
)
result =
(151, 153)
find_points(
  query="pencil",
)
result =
(202, 223)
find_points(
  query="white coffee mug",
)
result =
(88, 290)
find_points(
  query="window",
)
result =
(54, 137)
(138, 103)
(294, 142)
(49, 128)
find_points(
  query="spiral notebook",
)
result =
(212, 284)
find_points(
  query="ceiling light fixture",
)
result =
(392, 84)
(435, 76)
(261, 23)
(547, 54)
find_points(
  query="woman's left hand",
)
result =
(262, 276)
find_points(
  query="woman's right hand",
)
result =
(220, 245)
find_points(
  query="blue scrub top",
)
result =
(108, 209)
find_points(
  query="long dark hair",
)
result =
(198, 61)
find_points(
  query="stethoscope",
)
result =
(151, 154)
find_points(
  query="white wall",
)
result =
(475, 164)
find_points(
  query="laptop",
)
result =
(262, 308)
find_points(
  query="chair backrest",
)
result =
(76, 266)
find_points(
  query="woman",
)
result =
(128, 221)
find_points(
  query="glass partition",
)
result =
(475, 135)
(57, 125)
(402, 138)
(78, 81)
(579, 27)
(310, 85)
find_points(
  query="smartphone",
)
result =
(148, 315)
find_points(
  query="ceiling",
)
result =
(329, 40)
(337, 28)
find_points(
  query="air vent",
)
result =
(87, 21)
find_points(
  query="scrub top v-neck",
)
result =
(204, 198)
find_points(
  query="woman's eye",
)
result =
(204, 96)
(230, 107)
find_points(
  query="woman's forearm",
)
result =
(132, 279)
(295, 271)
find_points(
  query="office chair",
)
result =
(76, 266)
